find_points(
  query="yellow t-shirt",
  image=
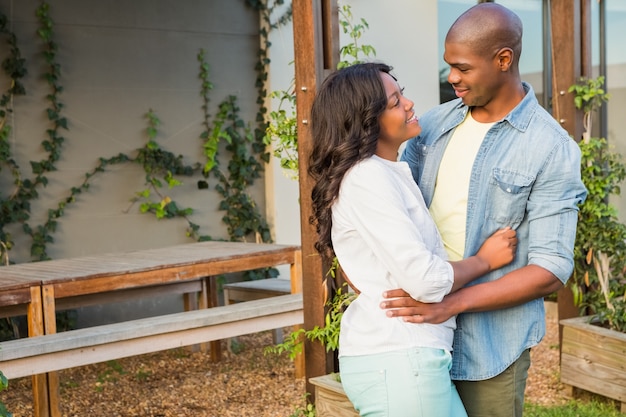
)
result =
(449, 204)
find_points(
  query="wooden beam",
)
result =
(330, 34)
(566, 39)
(571, 59)
(315, 51)
(585, 38)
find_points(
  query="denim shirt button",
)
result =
(508, 190)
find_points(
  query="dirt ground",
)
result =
(179, 383)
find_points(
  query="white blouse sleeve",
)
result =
(391, 217)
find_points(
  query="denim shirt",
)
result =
(526, 175)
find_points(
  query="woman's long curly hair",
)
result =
(345, 130)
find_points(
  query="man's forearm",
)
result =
(515, 288)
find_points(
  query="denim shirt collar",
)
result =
(519, 118)
(521, 115)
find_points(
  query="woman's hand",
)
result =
(499, 248)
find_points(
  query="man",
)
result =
(490, 159)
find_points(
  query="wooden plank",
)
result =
(583, 324)
(50, 381)
(225, 257)
(14, 291)
(254, 290)
(296, 287)
(165, 274)
(212, 302)
(330, 398)
(570, 44)
(330, 34)
(295, 273)
(592, 358)
(58, 351)
(592, 376)
(595, 347)
(16, 295)
(149, 326)
(55, 361)
(186, 287)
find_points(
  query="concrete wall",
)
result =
(118, 60)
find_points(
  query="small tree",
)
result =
(598, 282)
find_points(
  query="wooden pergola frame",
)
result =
(316, 43)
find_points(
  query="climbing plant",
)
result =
(163, 170)
(281, 131)
(243, 145)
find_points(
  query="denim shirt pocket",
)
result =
(509, 194)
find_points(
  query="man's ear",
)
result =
(505, 59)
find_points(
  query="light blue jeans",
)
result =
(405, 383)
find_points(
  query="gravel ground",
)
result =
(178, 383)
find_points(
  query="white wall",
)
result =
(404, 33)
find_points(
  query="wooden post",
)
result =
(566, 62)
(316, 37)
(571, 59)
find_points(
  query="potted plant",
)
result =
(594, 345)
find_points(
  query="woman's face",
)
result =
(398, 122)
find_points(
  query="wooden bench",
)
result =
(57, 351)
(255, 290)
(189, 269)
(237, 292)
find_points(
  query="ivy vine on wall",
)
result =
(242, 144)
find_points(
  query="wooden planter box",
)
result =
(330, 399)
(594, 359)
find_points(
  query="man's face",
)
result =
(475, 78)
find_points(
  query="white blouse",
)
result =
(384, 238)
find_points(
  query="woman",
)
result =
(370, 214)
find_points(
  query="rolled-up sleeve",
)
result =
(553, 211)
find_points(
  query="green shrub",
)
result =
(598, 282)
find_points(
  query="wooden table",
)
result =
(99, 279)
(22, 296)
